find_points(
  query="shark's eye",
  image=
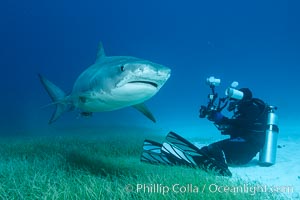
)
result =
(122, 68)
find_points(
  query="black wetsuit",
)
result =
(247, 134)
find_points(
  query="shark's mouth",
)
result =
(145, 82)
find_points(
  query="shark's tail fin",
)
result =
(58, 97)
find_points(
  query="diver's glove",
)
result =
(215, 116)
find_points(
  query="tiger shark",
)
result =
(111, 83)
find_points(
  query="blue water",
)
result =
(256, 43)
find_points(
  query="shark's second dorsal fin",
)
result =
(100, 53)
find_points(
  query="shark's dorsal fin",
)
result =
(100, 53)
(143, 109)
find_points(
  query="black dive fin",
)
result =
(182, 143)
(152, 146)
(201, 159)
(177, 156)
(152, 153)
(167, 154)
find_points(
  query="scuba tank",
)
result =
(267, 155)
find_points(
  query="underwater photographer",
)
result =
(246, 128)
(251, 129)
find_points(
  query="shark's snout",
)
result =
(145, 75)
(165, 72)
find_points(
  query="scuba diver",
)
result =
(252, 129)
(246, 129)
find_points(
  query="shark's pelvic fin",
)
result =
(57, 96)
(100, 53)
(143, 109)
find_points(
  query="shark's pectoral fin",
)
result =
(143, 109)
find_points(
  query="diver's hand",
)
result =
(215, 116)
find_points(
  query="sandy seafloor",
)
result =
(283, 177)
